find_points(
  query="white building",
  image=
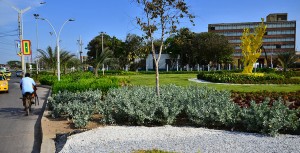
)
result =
(164, 62)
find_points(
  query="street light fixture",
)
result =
(57, 43)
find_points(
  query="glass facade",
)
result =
(253, 25)
(271, 32)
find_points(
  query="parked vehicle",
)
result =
(3, 83)
(19, 73)
(7, 73)
(2, 69)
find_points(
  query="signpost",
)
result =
(26, 49)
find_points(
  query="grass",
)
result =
(182, 80)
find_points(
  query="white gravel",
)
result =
(125, 139)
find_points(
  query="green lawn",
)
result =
(182, 80)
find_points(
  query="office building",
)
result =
(280, 36)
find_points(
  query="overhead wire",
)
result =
(9, 31)
(9, 35)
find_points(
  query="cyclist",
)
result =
(27, 84)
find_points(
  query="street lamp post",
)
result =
(102, 52)
(57, 43)
(37, 42)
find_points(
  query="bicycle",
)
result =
(27, 99)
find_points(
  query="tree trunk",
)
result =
(157, 78)
(96, 70)
(65, 69)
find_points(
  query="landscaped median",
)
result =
(195, 106)
(116, 101)
(122, 99)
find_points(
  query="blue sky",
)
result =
(117, 18)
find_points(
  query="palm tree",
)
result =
(49, 57)
(74, 62)
(286, 59)
(101, 59)
(65, 58)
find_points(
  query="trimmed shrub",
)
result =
(79, 85)
(77, 106)
(210, 107)
(172, 100)
(134, 105)
(141, 106)
(269, 119)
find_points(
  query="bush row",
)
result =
(103, 84)
(81, 81)
(202, 106)
(223, 77)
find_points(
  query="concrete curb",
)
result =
(48, 143)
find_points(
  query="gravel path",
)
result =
(125, 139)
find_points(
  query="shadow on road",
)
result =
(20, 114)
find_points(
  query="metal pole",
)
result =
(57, 44)
(21, 38)
(20, 12)
(58, 51)
(102, 41)
(80, 52)
(37, 43)
(272, 58)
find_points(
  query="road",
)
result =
(20, 133)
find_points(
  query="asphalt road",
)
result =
(20, 133)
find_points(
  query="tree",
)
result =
(74, 62)
(49, 57)
(14, 64)
(211, 47)
(180, 45)
(287, 59)
(173, 50)
(65, 58)
(134, 48)
(251, 46)
(161, 16)
(120, 58)
(101, 59)
(111, 43)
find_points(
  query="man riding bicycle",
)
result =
(27, 85)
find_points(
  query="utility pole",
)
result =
(20, 27)
(80, 49)
(20, 22)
